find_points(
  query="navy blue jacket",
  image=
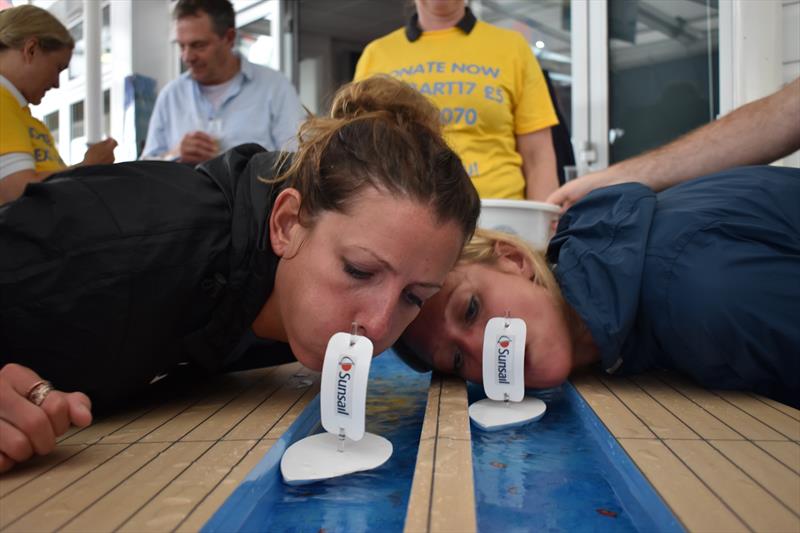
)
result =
(703, 278)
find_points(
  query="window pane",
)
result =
(663, 71)
(105, 36)
(77, 65)
(51, 121)
(257, 44)
(107, 112)
(76, 112)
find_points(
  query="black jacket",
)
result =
(111, 275)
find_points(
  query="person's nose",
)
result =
(187, 56)
(375, 321)
(472, 342)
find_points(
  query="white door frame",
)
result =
(750, 51)
(590, 84)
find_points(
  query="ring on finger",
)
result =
(39, 391)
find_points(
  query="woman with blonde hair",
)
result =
(120, 274)
(703, 278)
(34, 48)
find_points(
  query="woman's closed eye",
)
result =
(355, 272)
(412, 298)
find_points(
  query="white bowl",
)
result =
(532, 221)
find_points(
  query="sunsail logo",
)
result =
(343, 385)
(504, 347)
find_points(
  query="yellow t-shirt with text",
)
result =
(22, 132)
(488, 87)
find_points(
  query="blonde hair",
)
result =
(481, 249)
(18, 24)
(381, 133)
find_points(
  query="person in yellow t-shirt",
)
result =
(34, 48)
(490, 90)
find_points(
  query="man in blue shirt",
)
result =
(222, 100)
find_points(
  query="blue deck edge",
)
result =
(630, 480)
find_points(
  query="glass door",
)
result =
(663, 65)
(645, 72)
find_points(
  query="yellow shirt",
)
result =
(22, 132)
(488, 87)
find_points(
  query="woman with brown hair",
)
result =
(34, 48)
(119, 274)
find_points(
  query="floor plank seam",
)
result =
(710, 489)
(254, 409)
(771, 406)
(217, 484)
(54, 465)
(165, 487)
(626, 406)
(171, 442)
(277, 421)
(167, 421)
(793, 468)
(440, 386)
(89, 506)
(668, 410)
(680, 392)
(65, 487)
(789, 411)
(776, 430)
(256, 442)
(145, 413)
(180, 439)
(153, 496)
(294, 403)
(766, 489)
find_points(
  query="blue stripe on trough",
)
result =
(565, 472)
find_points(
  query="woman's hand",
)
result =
(101, 153)
(27, 428)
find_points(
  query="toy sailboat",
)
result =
(504, 378)
(344, 448)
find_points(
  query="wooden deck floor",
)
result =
(158, 468)
(722, 461)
